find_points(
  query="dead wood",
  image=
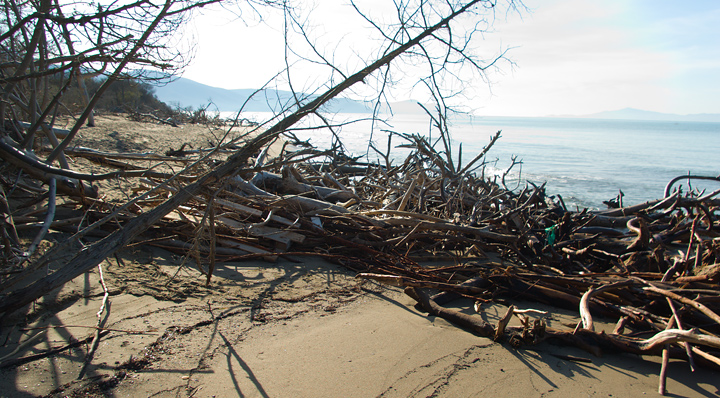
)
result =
(90, 153)
(511, 244)
(104, 308)
(288, 184)
(483, 241)
(472, 323)
(68, 181)
(95, 253)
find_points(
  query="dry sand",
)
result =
(286, 329)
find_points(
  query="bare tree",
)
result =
(433, 36)
(48, 46)
(446, 68)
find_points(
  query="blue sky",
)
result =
(572, 57)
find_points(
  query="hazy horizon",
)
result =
(187, 92)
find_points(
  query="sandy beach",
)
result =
(297, 330)
(300, 328)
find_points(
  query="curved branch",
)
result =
(585, 301)
(44, 172)
(670, 336)
(698, 306)
(688, 177)
(33, 165)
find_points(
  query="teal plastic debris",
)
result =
(551, 234)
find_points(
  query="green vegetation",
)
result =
(128, 96)
(124, 96)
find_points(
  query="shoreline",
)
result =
(296, 325)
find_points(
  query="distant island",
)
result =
(639, 114)
(183, 93)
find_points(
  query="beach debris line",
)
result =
(431, 225)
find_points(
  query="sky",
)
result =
(569, 57)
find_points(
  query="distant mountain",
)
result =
(638, 114)
(184, 92)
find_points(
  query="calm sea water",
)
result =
(586, 161)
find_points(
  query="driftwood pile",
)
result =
(432, 225)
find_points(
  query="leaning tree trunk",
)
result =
(92, 255)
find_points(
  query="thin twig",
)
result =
(99, 325)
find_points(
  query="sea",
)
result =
(584, 161)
